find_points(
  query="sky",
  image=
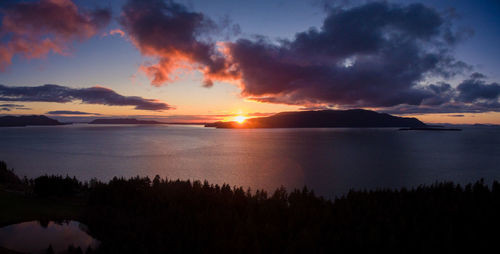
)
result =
(202, 61)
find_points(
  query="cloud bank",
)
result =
(70, 112)
(93, 95)
(9, 107)
(372, 55)
(375, 55)
(473, 95)
(33, 29)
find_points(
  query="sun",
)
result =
(240, 119)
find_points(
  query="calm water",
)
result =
(331, 161)
(31, 237)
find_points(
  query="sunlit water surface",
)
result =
(32, 237)
(331, 161)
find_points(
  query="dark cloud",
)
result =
(70, 112)
(456, 115)
(449, 107)
(441, 93)
(175, 36)
(473, 90)
(33, 29)
(473, 95)
(92, 95)
(477, 75)
(9, 107)
(373, 55)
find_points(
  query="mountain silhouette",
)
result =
(354, 118)
(13, 121)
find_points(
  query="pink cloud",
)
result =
(33, 29)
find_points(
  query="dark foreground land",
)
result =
(140, 215)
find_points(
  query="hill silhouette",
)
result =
(355, 118)
(15, 121)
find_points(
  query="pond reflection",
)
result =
(33, 237)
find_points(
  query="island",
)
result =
(32, 120)
(123, 121)
(354, 118)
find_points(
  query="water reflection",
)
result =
(35, 237)
(331, 161)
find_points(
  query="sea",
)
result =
(331, 161)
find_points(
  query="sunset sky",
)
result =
(198, 60)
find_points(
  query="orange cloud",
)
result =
(170, 33)
(117, 31)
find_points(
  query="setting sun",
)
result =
(240, 119)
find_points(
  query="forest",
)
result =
(159, 215)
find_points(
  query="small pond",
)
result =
(35, 237)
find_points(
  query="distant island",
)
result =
(21, 121)
(123, 121)
(354, 118)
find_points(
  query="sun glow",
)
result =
(240, 119)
